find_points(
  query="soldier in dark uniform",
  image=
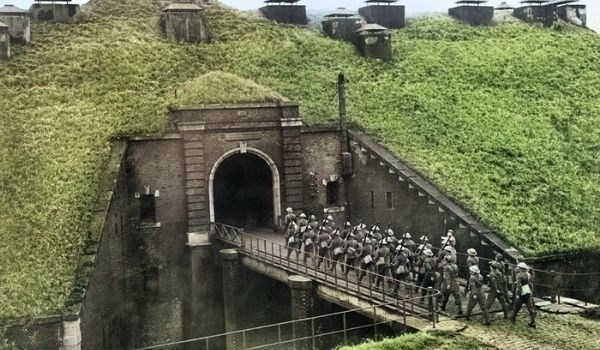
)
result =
(336, 249)
(472, 259)
(382, 261)
(289, 218)
(293, 239)
(313, 223)
(323, 243)
(524, 294)
(308, 239)
(401, 268)
(495, 282)
(476, 295)
(365, 258)
(428, 267)
(346, 230)
(351, 250)
(450, 285)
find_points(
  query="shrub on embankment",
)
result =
(505, 119)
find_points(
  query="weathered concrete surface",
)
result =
(290, 14)
(341, 28)
(4, 41)
(53, 12)
(473, 15)
(19, 27)
(184, 22)
(374, 44)
(390, 16)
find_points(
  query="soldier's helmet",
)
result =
(289, 210)
(471, 252)
(428, 252)
(313, 218)
(407, 235)
(450, 232)
(448, 257)
(474, 269)
(348, 224)
(303, 216)
(389, 231)
(423, 238)
(329, 217)
(448, 248)
(523, 266)
(499, 257)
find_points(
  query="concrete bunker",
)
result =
(242, 190)
(184, 21)
(549, 12)
(384, 12)
(4, 41)
(374, 41)
(285, 11)
(19, 26)
(53, 11)
(472, 12)
(341, 24)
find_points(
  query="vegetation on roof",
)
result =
(423, 341)
(221, 88)
(504, 119)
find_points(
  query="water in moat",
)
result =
(183, 300)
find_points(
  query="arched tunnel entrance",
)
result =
(243, 192)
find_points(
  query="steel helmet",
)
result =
(289, 210)
(448, 248)
(348, 224)
(471, 251)
(303, 216)
(474, 269)
(329, 217)
(312, 217)
(523, 266)
(407, 235)
(428, 252)
(389, 231)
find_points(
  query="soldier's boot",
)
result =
(460, 310)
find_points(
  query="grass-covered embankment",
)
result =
(505, 119)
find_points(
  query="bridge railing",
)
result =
(284, 335)
(423, 300)
(226, 233)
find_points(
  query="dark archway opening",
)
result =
(243, 192)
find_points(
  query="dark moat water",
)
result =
(184, 300)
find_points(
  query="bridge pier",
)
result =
(232, 304)
(302, 307)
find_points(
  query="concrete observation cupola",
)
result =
(384, 12)
(53, 11)
(4, 41)
(549, 12)
(285, 11)
(503, 11)
(341, 24)
(184, 21)
(374, 41)
(17, 20)
(472, 12)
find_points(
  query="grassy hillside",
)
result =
(505, 119)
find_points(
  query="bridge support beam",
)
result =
(232, 294)
(302, 307)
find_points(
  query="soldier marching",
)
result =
(394, 263)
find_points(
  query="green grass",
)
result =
(219, 88)
(505, 119)
(423, 341)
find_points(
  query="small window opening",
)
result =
(389, 200)
(333, 192)
(148, 208)
(372, 199)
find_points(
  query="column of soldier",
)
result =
(399, 261)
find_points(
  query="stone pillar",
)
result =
(196, 189)
(292, 161)
(302, 307)
(198, 294)
(233, 291)
(71, 335)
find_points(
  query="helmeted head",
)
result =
(424, 238)
(428, 252)
(522, 266)
(474, 269)
(302, 216)
(377, 229)
(499, 257)
(450, 233)
(389, 232)
(313, 218)
(448, 258)
(329, 217)
(289, 210)
(407, 235)
(348, 224)
(448, 248)
(471, 252)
